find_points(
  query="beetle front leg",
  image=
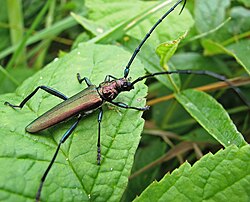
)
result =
(45, 88)
(123, 105)
(80, 80)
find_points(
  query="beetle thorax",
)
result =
(110, 89)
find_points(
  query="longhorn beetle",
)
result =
(93, 97)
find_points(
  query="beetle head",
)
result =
(124, 84)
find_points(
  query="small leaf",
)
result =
(211, 116)
(224, 176)
(165, 51)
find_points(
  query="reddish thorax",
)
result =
(108, 90)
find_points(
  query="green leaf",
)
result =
(87, 24)
(237, 50)
(9, 80)
(212, 47)
(4, 33)
(113, 19)
(224, 176)
(246, 2)
(173, 26)
(212, 12)
(110, 19)
(165, 51)
(75, 176)
(211, 116)
(58, 27)
(238, 27)
(199, 135)
(152, 149)
(197, 61)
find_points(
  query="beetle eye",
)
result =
(128, 86)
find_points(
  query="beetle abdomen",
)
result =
(83, 102)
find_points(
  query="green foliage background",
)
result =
(48, 42)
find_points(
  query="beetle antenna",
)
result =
(199, 72)
(126, 71)
(184, 4)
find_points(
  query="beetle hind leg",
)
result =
(99, 137)
(63, 139)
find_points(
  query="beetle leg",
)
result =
(99, 137)
(107, 78)
(45, 88)
(80, 80)
(63, 139)
(123, 105)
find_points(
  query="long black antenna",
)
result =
(126, 71)
(199, 72)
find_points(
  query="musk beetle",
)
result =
(93, 97)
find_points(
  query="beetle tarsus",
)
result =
(80, 80)
(78, 76)
(38, 194)
(145, 108)
(11, 105)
